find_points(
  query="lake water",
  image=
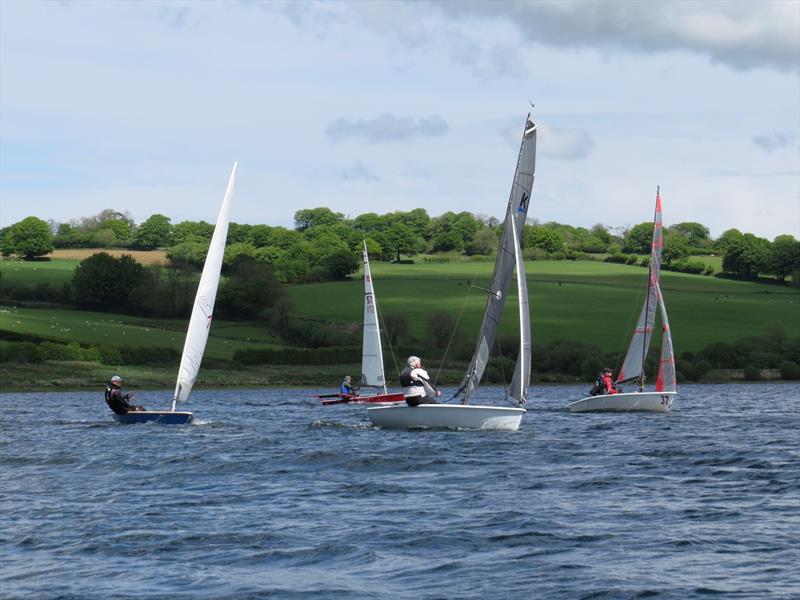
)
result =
(269, 494)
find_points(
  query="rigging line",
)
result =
(455, 328)
(388, 343)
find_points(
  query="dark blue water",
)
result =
(270, 495)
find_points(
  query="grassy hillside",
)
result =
(97, 328)
(583, 300)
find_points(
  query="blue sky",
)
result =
(375, 107)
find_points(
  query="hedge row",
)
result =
(299, 356)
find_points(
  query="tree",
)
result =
(638, 239)
(784, 257)
(28, 238)
(725, 240)
(601, 232)
(106, 281)
(484, 241)
(441, 325)
(192, 231)
(676, 247)
(395, 327)
(696, 235)
(250, 288)
(746, 256)
(545, 238)
(308, 217)
(155, 232)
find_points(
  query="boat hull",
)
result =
(377, 399)
(164, 417)
(630, 402)
(446, 416)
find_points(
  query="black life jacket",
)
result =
(405, 378)
(115, 405)
(598, 388)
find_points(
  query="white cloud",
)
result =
(358, 172)
(386, 128)
(775, 140)
(741, 35)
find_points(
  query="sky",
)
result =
(385, 106)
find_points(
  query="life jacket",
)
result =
(108, 397)
(405, 378)
(598, 387)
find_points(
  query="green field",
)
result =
(583, 300)
(55, 271)
(97, 328)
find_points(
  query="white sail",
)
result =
(516, 211)
(522, 370)
(666, 381)
(203, 309)
(371, 352)
(633, 365)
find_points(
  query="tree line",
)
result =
(326, 245)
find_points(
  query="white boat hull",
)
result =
(446, 416)
(630, 402)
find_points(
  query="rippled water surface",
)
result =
(270, 494)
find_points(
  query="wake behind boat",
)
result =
(199, 325)
(633, 367)
(508, 261)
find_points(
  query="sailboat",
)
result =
(199, 324)
(632, 371)
(372, 374)
(508, 261)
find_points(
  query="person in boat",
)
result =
(346, 389)
(417, 386)
(605, 384)
(116, 400)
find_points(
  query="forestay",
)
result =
(506, 261)
(371, 353)
(633, 365)
(203, 309)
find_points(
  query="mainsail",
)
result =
(633, 365)
(371, 353)
(516, 213)
(202, 311)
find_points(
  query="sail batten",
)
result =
(203, 308)
(505, 263)
(372, 374)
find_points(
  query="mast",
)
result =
(203, 309)
(522, 369)
(516, 211)
(372, 373)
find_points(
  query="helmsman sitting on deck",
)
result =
(346, 389)
(605, 384)
(417, 386)
(116, 400)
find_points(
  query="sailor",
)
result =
(417, 386)
(346, 389)
(116, 400)
(605, 384)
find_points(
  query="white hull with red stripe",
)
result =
(626, 402)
